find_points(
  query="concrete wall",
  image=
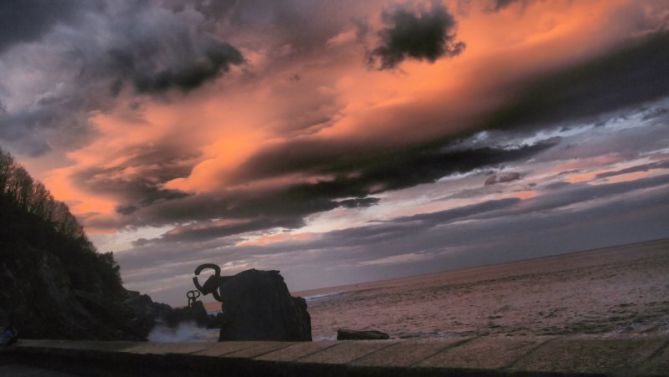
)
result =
(479, 356)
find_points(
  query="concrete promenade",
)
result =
(477, 356)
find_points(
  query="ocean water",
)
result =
(618, 290)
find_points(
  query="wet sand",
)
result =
(616, 290)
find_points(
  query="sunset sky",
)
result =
(340, 141)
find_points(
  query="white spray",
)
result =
(184, 332)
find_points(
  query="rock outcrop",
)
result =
(43, 302)
(257, 306)
(145, 313)
(348, 334)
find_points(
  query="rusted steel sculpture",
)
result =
(192, 297)
(213, 284)
(258, 306)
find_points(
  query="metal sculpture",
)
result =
(192, 297)
(213, 284)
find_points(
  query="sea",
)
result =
(607, 291)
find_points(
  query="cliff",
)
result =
(53, 283)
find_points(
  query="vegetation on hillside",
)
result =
(29, 215)
(54, 283)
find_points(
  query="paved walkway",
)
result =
(477, 356)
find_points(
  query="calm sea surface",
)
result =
(605, 291)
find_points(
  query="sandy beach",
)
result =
(616, 290)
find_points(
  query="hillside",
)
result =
(54, 284)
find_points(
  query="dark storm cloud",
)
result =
(157, 50)
(28, 20)
(151, 167)
(623, 78)
(261, 210)
(243, 209)
(205, 230)
(286, 207)
(393, 168)
(145, 70)
(422, 35)
(106, 45)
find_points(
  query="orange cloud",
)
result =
(277, 238)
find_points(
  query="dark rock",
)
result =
(257, 306)
(38, 293)
(144, 312)
(347, 334)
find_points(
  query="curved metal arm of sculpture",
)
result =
(217, 296)
(208, 287)
(192, 297)
(212, 284)
(215, 267)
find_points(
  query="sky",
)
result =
(340, 141)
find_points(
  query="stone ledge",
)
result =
(481, 356)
